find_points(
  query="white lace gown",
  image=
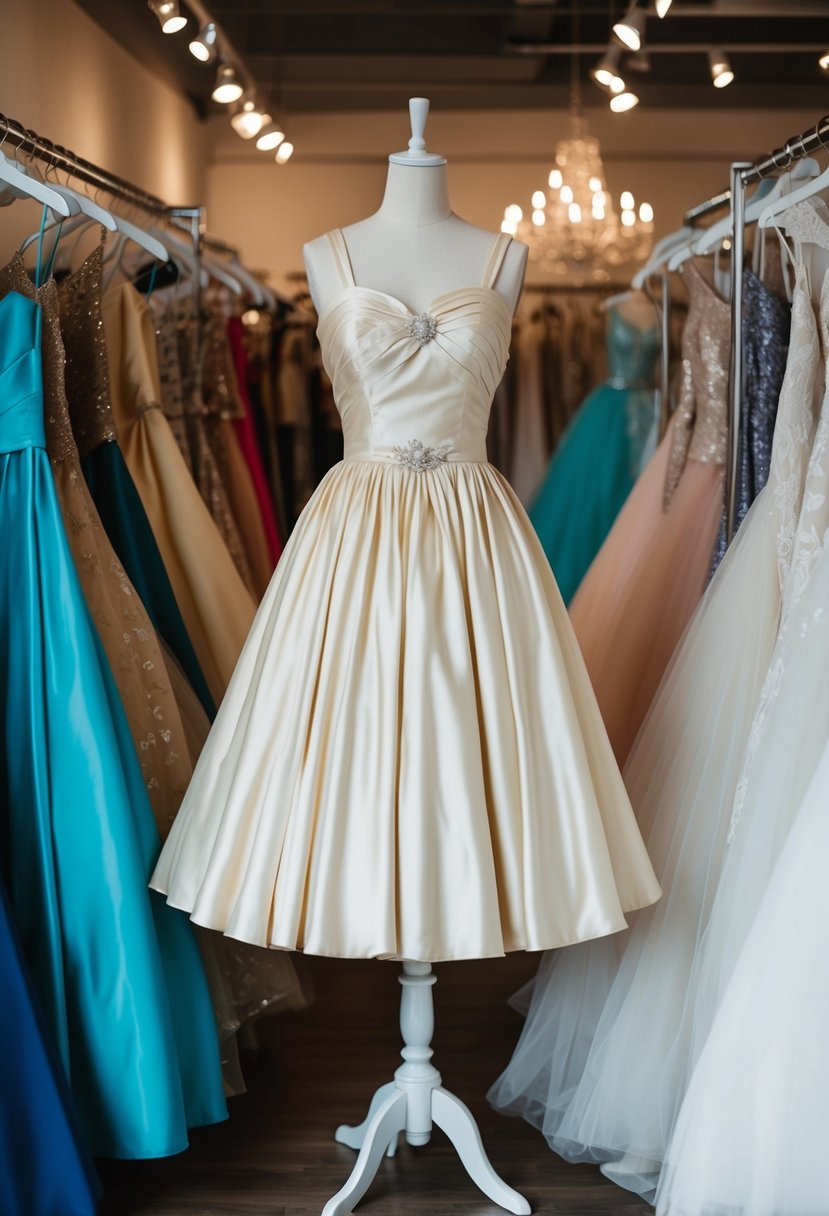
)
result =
(603, 1060)
(752, 1132)
(409, 760)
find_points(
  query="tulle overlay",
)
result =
(409, 761)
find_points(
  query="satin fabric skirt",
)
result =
(43, 1169)
(590, 476)
(125, 520)
(409, 761)
(766, 1054)
(117, 973)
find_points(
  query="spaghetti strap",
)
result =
(495, 260)
(339, 251)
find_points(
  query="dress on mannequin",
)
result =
(412, 820)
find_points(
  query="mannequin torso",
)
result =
(414, 248)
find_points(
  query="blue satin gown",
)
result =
(116, 971)
(43, 1170)
(599, 457)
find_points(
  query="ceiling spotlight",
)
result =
(284, 152)
(631, 29)
(169, 16)
(204, 46)
(606, 72)
(623, 101)
(270, 137)
(662, 7)
(721, 73)
(824, 61)
(227, 88)
(249, 120)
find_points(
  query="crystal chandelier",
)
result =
(573, 231)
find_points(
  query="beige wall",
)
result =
(63, 76)
(672, 159)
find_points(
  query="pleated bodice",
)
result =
(21, 389)
(415, 389)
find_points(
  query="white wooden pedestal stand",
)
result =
(411, 1103)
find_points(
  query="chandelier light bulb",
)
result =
(566, 194)
(270, 136)
(284, 152)
(555, 179)
(509, 228)
(204, 46)
(574, 213)
(823, 62)
(622, 102)
(595, 184)
(628, 218)
(631, 29)
(598, 213)
(721, 73)
(539, 199)
(626, 200)
(662, 7)
(169, 15)
(646, 213)
(514, 213)
(539, 217)
(227, 88)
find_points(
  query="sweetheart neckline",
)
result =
(386, 295)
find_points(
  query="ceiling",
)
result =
(335, 55)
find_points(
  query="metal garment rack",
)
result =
(743, 174)
(27, 145)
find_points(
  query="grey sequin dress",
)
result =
(767, 320)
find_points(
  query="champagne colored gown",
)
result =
(217, 607)
(409, 761)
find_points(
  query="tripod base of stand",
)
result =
(412, 1104)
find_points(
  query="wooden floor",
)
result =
(276, 1155)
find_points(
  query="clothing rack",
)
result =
(554, 289)
(23, 143)
(743, 174)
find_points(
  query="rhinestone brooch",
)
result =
(419, 458)
(422, 328)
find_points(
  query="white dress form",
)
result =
(414, 249)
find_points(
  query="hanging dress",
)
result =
(636, 600)
(106, 473)
(119, 979)
(43, 1169)
(603, 1058)
(364, 791)
(600, 456)
(121, 621)
(216, 606)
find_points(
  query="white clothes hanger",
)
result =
(119, 224)
(766, 193)
(778, 205)
(661, 252)
(22, 185)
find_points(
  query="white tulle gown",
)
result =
(604, 1058)
(752, 1132)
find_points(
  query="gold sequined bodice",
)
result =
(701, 419)
(87, 374)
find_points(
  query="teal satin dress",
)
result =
(117, 972)
(599, 457)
